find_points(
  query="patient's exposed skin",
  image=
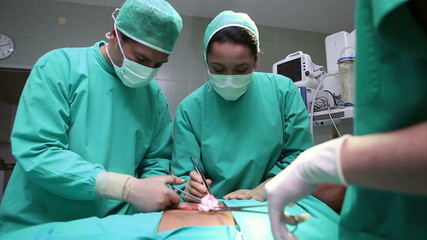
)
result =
(207, 203)
(187, 214)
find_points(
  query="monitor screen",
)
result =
(291, 69)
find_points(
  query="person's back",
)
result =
(384, 163)
(390, 56)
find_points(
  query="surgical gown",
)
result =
(76, 118)
(391, 93)
(239, 144)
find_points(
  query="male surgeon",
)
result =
(92, 135)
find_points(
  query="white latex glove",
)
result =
(257, 193)
(319, 164)
(196, 187)
(251, 194)
(147, 194)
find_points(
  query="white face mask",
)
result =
(230, 87)
(132, 74)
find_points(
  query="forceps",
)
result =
(290, 219)
(201, 175)
(178, 189)
(241, 208)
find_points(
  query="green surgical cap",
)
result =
(154, 23)
(228, 19)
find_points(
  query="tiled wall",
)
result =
(34, 26)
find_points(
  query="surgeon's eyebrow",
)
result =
(142, 57)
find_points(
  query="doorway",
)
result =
(12, 81)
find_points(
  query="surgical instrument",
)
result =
(201, 175)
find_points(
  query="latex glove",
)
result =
(195, 186)
(147, 194)
(246, 194)
(151, 194)
(257, 193)
(321, 163)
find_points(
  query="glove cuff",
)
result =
(127, 188)
(110, 185)
(339, 165)
(322, 163)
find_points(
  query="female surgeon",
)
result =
(385, 162)
(242, 127)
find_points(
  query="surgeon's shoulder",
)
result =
(276, 80)
(61, 57)
(283, 87)
(193, 104)
(196, 98)
(154, 93)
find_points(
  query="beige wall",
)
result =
(34, 26)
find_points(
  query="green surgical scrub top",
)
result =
(391, 93)
(239, 144)
(76, 118)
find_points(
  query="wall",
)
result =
(35, 27)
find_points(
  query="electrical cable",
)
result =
(322, 78)
(333, 122)
(321, 103)
(333, 97)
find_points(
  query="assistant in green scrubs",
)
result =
(391, 93)
(241, 143)
(77, 118)
(240, 136)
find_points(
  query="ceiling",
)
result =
(326, 16)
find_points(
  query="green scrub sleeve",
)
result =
(296, 126)
(40, 142)
(184, 145)
(157, 160)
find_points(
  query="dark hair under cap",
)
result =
(238, 35)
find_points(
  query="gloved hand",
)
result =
(147, 194)
(257, 193)
(251, 194)
(151, 194)
(195, 186)
(321, 163)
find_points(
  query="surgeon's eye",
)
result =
(218, 70)
(157, 65)
(140, 59)
(241, 71)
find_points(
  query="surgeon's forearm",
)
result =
(260, 190)
(395, 161)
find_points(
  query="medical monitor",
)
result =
(291, 69)
(299, 68)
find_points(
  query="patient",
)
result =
(253, 223)
(184, 214)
